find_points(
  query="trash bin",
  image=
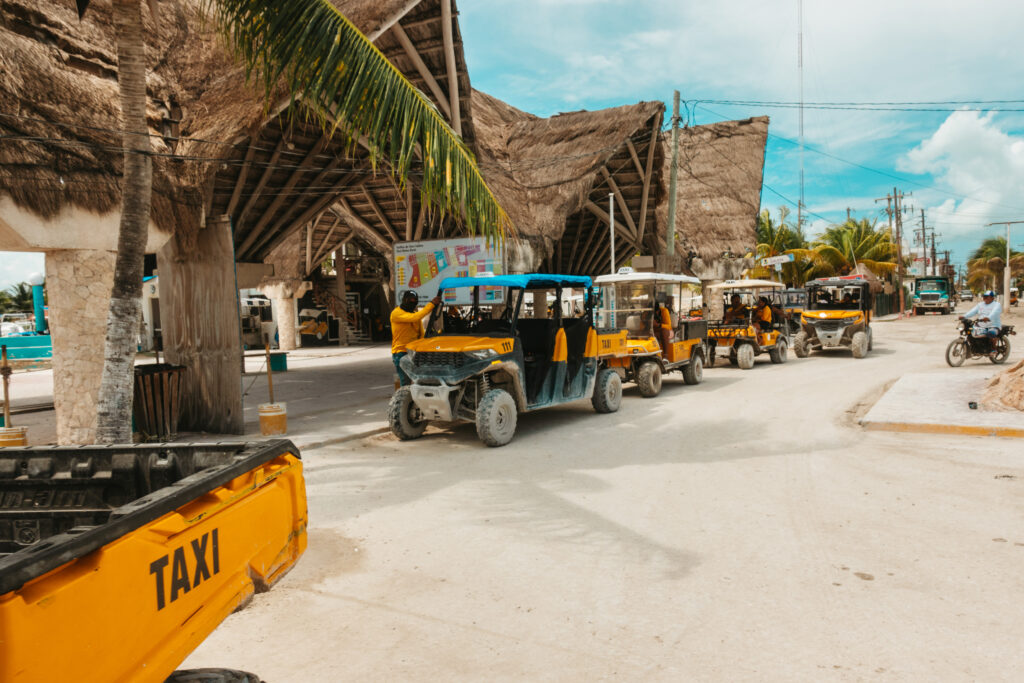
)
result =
(157, 400)
(279, 361)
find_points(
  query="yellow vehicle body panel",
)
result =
(681, 350)
(813, 316)
(462, 344)
(591, 349)
(561, 352)
(614, 343)
(135, 608)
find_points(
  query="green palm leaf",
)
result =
(323, 59)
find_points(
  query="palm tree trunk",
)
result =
(115, 399)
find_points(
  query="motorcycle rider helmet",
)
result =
(987, 293)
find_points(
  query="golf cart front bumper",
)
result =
(435, 402)
(832, 334)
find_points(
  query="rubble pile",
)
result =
(1006, 390)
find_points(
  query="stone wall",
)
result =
(78, 282)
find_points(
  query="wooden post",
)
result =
(270, 374)
(201, 328)
(5, 370)
(339, 268)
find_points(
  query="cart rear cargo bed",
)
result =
(116, 562)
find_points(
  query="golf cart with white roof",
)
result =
(646, 312)
(744, 338)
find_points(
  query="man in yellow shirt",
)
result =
(763, 315)
(407, 327)
(737, 311)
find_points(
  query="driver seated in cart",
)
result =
(763, 315)
(737, 311)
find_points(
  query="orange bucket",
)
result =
(13, 436)
(273, 419)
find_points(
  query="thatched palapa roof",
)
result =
(553, 177)
(718, 190)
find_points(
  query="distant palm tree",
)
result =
(322, 59)
(777, 239)
(985, 266)
(841, 247)
(19, 297)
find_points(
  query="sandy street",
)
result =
(743, 529)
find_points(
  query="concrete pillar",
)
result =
(79, 284)
(286, 314)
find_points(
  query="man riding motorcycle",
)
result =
(988, 311)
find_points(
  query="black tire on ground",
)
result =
(859, 344)
(693, 372)
(745, 356)
(800, 347)
(607, 391)
(403, 416)
(955, 353)
(871, 339)
(732, 357)
(648, 379)
(711, 357)
(1002, 351)
(212, 676)
(496, 418)
(779, 354)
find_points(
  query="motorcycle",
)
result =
(996, 349)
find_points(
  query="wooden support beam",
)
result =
(315, 183)
(453, 75)
(408, 211)
(392, 20)
(272, 238)
(635, 156)
(648, 173)
(379, 213)
(283, 193)
(357, 221)
(422, 69)
(624, 212)
(603, 215)
(575, 243)
(585, 255)
(420, 219)
(309, 248)
(267, 172)
(320, 253)
(242, 174)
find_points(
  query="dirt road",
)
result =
(744, 529)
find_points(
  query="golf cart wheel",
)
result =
(779, 354)
(404, 417)
(733, 358)
(955, 353)
(607, 391)
(871, 339)
(648, 378)
(859, 344)
(496, 418)
(711, 357)
(212, 676)
(1002, 351)
(745, 356)
(800, 347)
(693, 372)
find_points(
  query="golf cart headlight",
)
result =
(482, 354)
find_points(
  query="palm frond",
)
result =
(324, 61)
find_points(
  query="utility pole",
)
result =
(895, 213)
(848, 215)
(800, 70)
(1006, 266)
(670, 232)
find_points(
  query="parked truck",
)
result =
(933, 293)
(117, 561)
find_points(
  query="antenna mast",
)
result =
(800, 70)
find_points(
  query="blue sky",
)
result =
(964, 168)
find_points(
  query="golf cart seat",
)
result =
(634, 324)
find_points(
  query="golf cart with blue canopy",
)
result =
(509, 347)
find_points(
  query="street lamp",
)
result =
(1006, 266)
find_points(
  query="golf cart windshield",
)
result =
(632, 305)
(835, 298)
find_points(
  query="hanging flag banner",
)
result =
(420, 266)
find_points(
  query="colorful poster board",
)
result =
(421, 266)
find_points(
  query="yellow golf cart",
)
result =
(741, 339)
(838, 315)
(641, 331)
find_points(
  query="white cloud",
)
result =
(973, 158)
(15, 267)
